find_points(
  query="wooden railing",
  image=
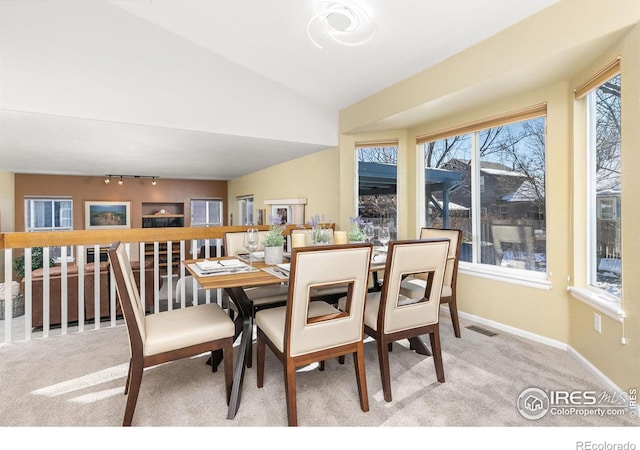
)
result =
(142, 244)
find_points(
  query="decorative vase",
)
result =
(273, 255)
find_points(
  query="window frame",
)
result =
(207, 201)
(529, 278)
(586, 206)
(31, 229)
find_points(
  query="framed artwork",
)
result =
(107, 215)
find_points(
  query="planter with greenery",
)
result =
(274, 242)
(37, 262)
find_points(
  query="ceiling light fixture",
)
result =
(344, 24)
(107, 180)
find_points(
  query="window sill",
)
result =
(609, 307)
(537, 280)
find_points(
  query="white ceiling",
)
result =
(205, 89)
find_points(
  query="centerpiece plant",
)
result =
(319, 226)
(274, 241)
(356, 233)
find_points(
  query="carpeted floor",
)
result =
(77, 380)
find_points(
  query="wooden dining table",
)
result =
(234, 284)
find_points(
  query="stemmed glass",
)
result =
(369, 231)
(251, 238)
(384, 237)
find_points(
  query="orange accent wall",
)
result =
(135, 190)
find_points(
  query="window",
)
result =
(50, 214)
(206, 213)
(604, 187)
(488, 180)
(377, 184)
(245, 210)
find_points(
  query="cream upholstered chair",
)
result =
(413, 286)
(260, 296)
(390, 316)
(169, 335)
(188, 282)
(330, 294)
(303, 331)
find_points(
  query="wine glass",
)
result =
(384, 237)
(369, 231)
(251, 238)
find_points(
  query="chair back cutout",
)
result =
(412, 257)
(324, 266)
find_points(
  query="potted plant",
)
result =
(13, 291)
(355, 233)
(37, 262)
(319, 233)
(274, 242)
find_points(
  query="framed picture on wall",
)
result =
(107, 215)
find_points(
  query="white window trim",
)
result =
(607, 304)
(527, 278)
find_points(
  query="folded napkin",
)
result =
(285, 266)
(218, 265)
(230, 262)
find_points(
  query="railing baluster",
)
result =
(46, 290)
(8, 296)
(64, 291)
(80, 259)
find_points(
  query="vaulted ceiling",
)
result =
(205, 89)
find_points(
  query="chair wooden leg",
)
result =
(290, 389)
(228, 367)
(260, 361)
(361, 377)
(136, 369)
(453, 310)
(390, 346)
(250, 353)
(341, 359)
(434, 336)
(385, 375)
(321, 366)
(126, 386)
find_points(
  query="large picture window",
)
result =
(488, 179)
(377, 184)
(604, 187)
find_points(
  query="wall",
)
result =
(450, 95)
(6, 210)
(136, 191)
(315, 177)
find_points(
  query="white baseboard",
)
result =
(543, 340)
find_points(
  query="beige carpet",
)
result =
(77, 380)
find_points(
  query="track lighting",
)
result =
(107, 180)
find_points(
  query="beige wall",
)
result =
(621, 362)
(472, 86)
(315, 177)
(7, 210)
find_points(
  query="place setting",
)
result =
(208, 268)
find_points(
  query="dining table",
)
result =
(234, 276)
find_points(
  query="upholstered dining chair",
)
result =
(303, 331)
(169, 335)
(413, 286)
(260, 296)
(390, 316)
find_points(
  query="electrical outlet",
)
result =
(597, 320)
